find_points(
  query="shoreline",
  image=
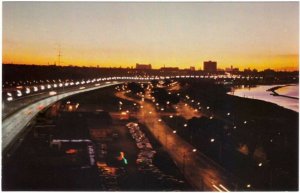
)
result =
(269, 99)
(274, 93)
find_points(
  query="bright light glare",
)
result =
(9, 99)
(19, 93)
(27, 91)
(52, 93)
(224, 187)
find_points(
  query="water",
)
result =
(260, 92)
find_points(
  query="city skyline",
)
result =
(244, 35)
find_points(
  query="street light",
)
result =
(27, 91)
(9, 98)
(19, 93)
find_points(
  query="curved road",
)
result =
(15, 123)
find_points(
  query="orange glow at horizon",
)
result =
(286, 63)
(255, 35)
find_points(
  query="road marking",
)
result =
(217, 188)
(224, 187)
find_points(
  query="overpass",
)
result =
(17, 120)
(21, 104)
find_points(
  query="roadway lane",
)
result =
(10, 107)
(200, 171)
(15, 123)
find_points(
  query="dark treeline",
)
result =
(36, 72)
(12, 72)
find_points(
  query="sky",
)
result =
(252, 35)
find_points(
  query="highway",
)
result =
(13, 124)
(203, 173)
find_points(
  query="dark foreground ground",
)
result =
(37, 164)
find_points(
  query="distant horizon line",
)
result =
(288, 69)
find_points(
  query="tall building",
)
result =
(143, 66)
(210, 66)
